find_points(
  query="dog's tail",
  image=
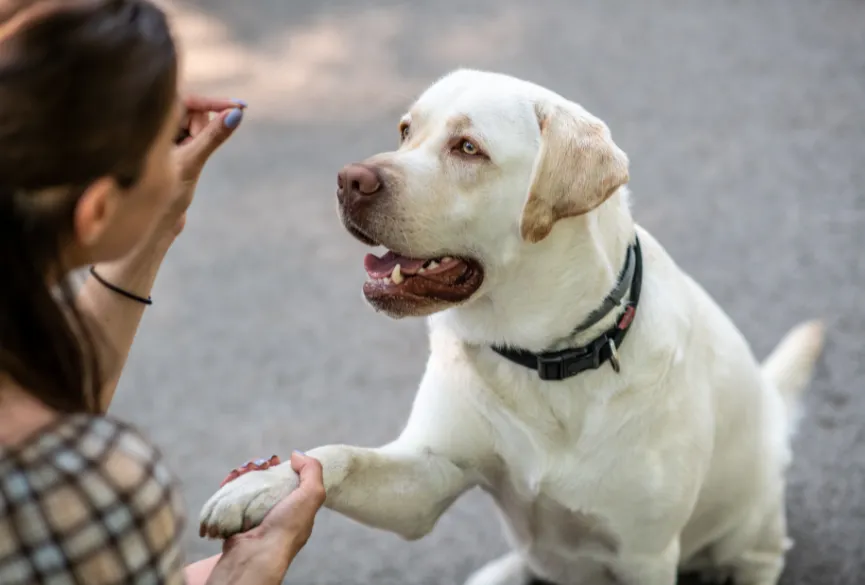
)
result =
(791, 364)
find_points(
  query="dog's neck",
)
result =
(550, 287)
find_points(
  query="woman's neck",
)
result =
(21, 414)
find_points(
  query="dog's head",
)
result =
(486, 164)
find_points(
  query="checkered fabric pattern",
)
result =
(88, 501)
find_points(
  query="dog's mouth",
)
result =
(409, 285)
(448, 279)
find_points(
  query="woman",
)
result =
(94, 172)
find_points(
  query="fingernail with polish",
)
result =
(240, 103)
(232, 120)
(299, 452)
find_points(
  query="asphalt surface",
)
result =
(745, 124)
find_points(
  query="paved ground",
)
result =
(745, 123)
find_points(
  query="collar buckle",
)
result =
(560, 365)
(551, 368)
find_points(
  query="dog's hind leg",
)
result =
(510, 569)
(756, 557)
(763, 563)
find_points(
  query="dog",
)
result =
(595, 391)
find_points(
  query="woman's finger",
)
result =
(198, 121)
(191, 125)
(307, 468)
(311, 478)
(198, 148)
(206, 104)
(197, 114)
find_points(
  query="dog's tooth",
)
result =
(446, 259)
(421, 270)
(385, 280)
(433, 265)
(396, 275)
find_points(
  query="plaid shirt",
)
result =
(88, 501)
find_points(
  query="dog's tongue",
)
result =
(383, 267)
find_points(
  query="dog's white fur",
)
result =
(676, 462)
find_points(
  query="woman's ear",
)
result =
(94, 211)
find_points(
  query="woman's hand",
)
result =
(198, 138)
(290, 521)
(262, 555)
(117, 317)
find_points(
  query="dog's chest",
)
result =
(573, 469)
(537, 516)
(565, 535)
(557, 485)
(554, 493)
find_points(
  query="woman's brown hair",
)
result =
(85, 88)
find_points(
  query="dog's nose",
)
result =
(357, 180)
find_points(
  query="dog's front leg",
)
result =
(397, 488)
(403, 486)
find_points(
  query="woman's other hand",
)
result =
(292, 519)
(272, 546)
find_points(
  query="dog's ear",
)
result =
(577, 168)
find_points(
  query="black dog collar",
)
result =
(563, 364)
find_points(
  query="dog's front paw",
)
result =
(242, 503)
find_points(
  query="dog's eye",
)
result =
(403, 131)
(468, 148)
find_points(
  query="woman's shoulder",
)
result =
(88, 449)
(91, 435)
(95, 496)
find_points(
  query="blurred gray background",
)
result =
(744, 122)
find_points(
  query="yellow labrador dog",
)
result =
(577, 375)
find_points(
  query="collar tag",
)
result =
(614, 357)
